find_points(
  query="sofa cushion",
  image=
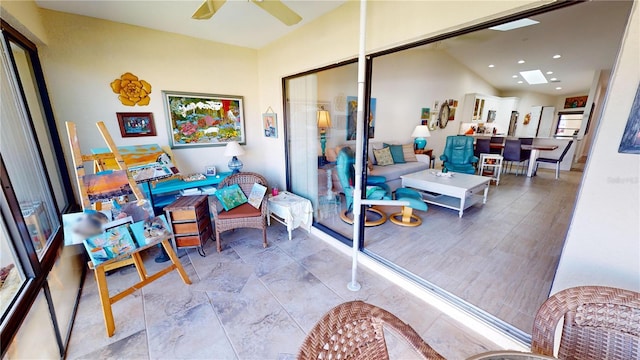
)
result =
(409, 154)
(396, 153)
(383, 156)
(394, 171)
(243, 211)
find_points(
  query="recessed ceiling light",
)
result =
(559, 88)
(514, 25)
(492, 66)
(557, 56)
(515, 76)
(534, 77)
(520, 82)
(553, 79)
(549, 72)
(520, 61)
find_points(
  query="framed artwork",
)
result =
(575, 102)
(491, 116)
(136, 124)
(425, 114)
(210, 171)
(270, 124)
(198, 120)
(352, 113)
(631, 137)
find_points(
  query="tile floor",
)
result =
(249, 303)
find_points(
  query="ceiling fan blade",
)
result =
(279, 10)
(207, 9)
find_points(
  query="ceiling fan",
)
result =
(274, 7)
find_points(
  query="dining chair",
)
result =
(513, 153)
(355, 330)
(243, 216)
(526, 141)
(497, 140)
(483, 146)
(598, 322)
(554, 161)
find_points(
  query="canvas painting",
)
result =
(256, 195)
(575, 102)
(231, 196)
(196, 120)
(106, 185)
(145, 162)
(352, 113)
(631, 137)
(112, 244)
(425, 114)
(151, 230)
(138, 210)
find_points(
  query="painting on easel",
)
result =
(144, 162)
(107, 185)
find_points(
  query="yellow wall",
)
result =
(24, 16)
(84, 55)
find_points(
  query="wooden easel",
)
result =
(100, 270)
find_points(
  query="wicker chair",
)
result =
(245, 215)
(599, 323)
(354, 330)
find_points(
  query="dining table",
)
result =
(535, 152)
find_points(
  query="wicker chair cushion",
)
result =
(242, 211)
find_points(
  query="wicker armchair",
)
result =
(599, 323)
(354, 330)
(245, 215)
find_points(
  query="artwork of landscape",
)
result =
(106, 185)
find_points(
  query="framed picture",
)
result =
(575, 102)
(425, 114)
(491, 116)
(352, 113)
(631, 137)
(210, 171)
(197, 120)
(136, 124)
(270, 124)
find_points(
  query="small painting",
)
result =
(491, 116)
(210, 171)
(198, 120)
(575, 102)
(152, 230)
(136, 124)
(112, 244)
(352, 113)
(83, 225)
(425, 114)
(631, 137)
(270, 124)
(107, 185)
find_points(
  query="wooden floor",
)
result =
(500, 256)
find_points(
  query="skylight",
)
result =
(514, 25)
(534, 77)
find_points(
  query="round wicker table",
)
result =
(510, 355)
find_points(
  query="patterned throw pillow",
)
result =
(383, 156)
(407, 151)
(396, 153)
(231, 196)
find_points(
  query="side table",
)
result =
(428, 152)
(493, 164)
(189, 218)
(290, 210)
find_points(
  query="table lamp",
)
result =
(324, 121)
(420, 133)
(234, 149)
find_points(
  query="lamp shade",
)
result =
(324, 119)
(421, 131)
(233, 149)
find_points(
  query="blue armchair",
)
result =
(458, 154)
(346, 175)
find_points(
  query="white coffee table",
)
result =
(458, 192)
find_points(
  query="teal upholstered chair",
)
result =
(346, 175)
(458, 154)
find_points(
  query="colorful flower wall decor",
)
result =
(203, 119)
(131, 90)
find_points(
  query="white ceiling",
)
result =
(586, 35)
(238, 22)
